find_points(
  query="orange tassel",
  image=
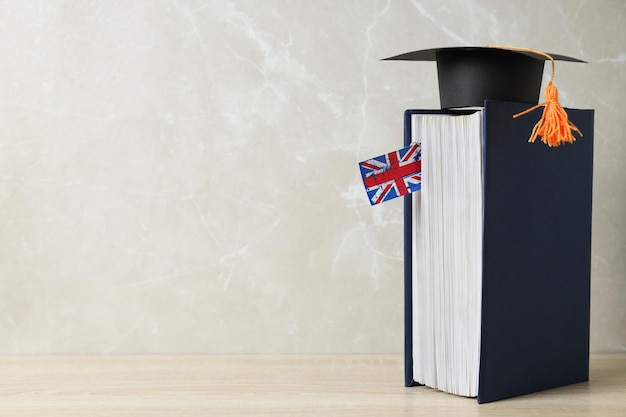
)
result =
(554, 127)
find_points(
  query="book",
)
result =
(497, 254)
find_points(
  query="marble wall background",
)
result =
(180, 175)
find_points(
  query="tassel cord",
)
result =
(554, 127)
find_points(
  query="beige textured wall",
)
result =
(180, 176)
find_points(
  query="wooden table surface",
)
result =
(288, 385)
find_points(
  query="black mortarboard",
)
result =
(470, 75)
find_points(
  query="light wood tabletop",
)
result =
(284, 385)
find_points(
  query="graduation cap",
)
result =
(470, 75)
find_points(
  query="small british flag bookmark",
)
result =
(392, 175)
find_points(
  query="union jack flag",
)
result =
(392, 175)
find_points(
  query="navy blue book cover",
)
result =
(536, 256)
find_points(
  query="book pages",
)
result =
(447, 252)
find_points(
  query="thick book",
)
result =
(504, 309)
